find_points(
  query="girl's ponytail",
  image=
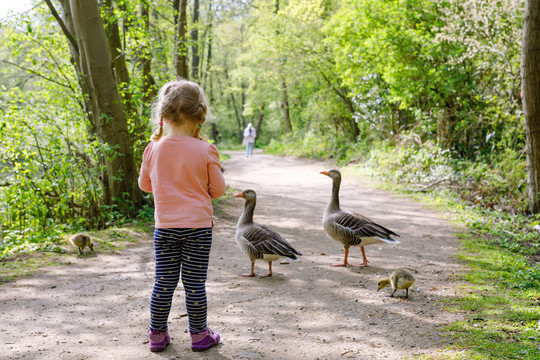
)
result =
(158, 133)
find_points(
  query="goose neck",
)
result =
(334, 200)
(247, 215)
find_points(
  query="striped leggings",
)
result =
(184, 251)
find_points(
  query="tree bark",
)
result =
(115, 47)
(180, 53)
(238, 120)
(530, 89)
(145, 59)
(259, 123)
(195, 41)
(110, 121)
(283, 84)
(285, 103)
(208, 36)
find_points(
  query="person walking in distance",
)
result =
(249, 139)
(184, 174)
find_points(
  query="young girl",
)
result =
(184, 173)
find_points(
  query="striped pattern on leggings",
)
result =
(186, 251)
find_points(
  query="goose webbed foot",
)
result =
(252, 273)
(269, 273)
(345, 259)
(364, 264)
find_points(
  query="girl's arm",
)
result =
(144, 177)
(216, 181)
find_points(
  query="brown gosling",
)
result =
(399, 279)
(81, 240)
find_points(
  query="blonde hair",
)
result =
(178, 101)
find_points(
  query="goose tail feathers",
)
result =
(390, 241)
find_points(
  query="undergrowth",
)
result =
(499, 290)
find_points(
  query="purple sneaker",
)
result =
(204, 340)
(158, 340)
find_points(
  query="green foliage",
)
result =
(50, 168)
(425, 91)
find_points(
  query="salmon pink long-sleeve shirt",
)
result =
(185, 175)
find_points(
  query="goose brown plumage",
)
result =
(258, 241)
(82, 240)
(351, 229)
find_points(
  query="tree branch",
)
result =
(63, 26)
(36, 73)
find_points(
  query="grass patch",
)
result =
(63, 253)
(502, 306)
(499, 291)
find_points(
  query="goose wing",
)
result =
(356, 227)
(263, 240)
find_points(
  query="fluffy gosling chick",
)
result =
(82, 240)
(399, 279)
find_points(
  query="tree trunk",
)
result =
(195, 41)
(121, 72)
(215, 132)
(283, 84)
(110, 121)
(285, 103)
(180, 53)
(208, 36)
(78, 59)
(145, 59)
(530, 74)
(259, 123)
(238, 120)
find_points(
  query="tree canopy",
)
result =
(332, 79)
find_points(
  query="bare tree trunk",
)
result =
(243, 104)
(115, 46)
(283, 84)
(215, 132)
(208, 36)
(238, 120)
(195, 40)
(285, 103)
(530, 74)
(145, 59)
(110, 126)
(259, 123)
(180, 53)
(78, 59)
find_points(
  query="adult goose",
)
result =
(351, 229)
(258, 241)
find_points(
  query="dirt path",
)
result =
(97, 308)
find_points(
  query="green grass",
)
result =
(63, 253)
(499, 290)
(502, 306)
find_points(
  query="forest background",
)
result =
(424, 94)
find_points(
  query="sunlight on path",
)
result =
(97, 308)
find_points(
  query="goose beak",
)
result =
(324, 173)
(239, 195)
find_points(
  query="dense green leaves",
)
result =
(428, 89)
